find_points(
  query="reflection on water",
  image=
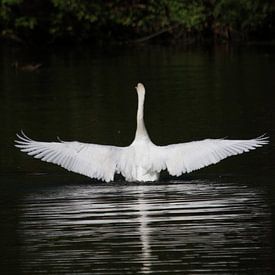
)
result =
(189, 226)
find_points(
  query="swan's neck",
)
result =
(141, 132)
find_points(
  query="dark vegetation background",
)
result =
(122, 21)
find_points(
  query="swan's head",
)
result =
(140, 88)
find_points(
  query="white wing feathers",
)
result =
(103, 161)
(187, 157)
(92, 160)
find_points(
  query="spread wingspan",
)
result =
(92, 160)
(186, 157)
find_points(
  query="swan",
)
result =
(142, 160)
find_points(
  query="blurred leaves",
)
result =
(241, 15)
(122, 20)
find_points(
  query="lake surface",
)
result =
(217, 220)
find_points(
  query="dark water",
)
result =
(217, 220)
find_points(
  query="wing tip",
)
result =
(22, 139)
(262, 139)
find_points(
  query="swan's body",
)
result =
(140, 161)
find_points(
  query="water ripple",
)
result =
(192, 227)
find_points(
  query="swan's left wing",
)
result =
(190, 156)
(92, 160)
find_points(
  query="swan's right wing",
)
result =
(190, 156)
(92, 160)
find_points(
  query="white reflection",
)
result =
(109, 227)
(145, 233)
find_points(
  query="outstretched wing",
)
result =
(92, 160)
(187, 157)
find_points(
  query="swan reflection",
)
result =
(187, 226)
(145, 232)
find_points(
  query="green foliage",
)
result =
(73, 17)
(126, 20)
(11, 2)
(25, 22)
(191, 14)
(241, 14)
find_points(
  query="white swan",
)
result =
(140, 161)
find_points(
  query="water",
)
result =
(196, 226)
(216, 220)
